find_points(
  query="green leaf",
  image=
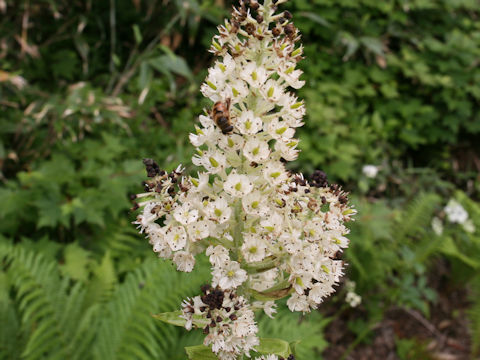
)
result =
(76, 262)
(373, 44)
(171, 318)
(316, 18)
(200, 352)
(137, 34)
(274, 346)
(449, 247)
(174, 318)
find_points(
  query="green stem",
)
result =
(238, 229)
(261, 266)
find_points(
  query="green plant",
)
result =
(84, 309)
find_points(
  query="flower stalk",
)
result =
(268, 232)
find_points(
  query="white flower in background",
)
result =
(469, 226)
(370, 171)
(455, 212)
(265, 229)
(437, 226)
(353, 299)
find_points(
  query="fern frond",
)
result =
(416, 216)
(128, 331)
(11, 341)
(101, 287)
(474, 316)
(36, 282)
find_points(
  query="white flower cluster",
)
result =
(231, 329)
(370, 171)
(352, 298)
(457, 214)
(268, 233)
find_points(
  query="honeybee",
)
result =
(221, 116)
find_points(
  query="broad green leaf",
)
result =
(274, 346)
(76, 262)
(449, 247)
(316, 18)
(200, 352)
(174, 318)
(373, 44)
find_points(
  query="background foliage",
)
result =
(89, 88)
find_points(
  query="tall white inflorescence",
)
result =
(269, 233)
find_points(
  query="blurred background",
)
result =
(89, 88)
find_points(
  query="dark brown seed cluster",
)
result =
(160, 180)
(213, 298)
(152, 168)
(338, 191)
(319, 179)
(283, 26)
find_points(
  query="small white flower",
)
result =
(269, 308)
(231, 142)
(203, 135)
(256, 150)
(237, 185)
(185, 214)
(287, 149)
(273, 223)
(455, 212)
(218, 255)
(201, 184)
(253, 248)
(353, 299)
(370, 171)
(271, 91)
(254, 204)
(198, 230)
(319, 291)
(254, 75)
(248, 124)
(184, 261)
(298, 303)
(176, 237)
(291, 76)
(237, 90)
(219, 210)
(229, 276)
(212, 161)
(280, 129)
(274, 173)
